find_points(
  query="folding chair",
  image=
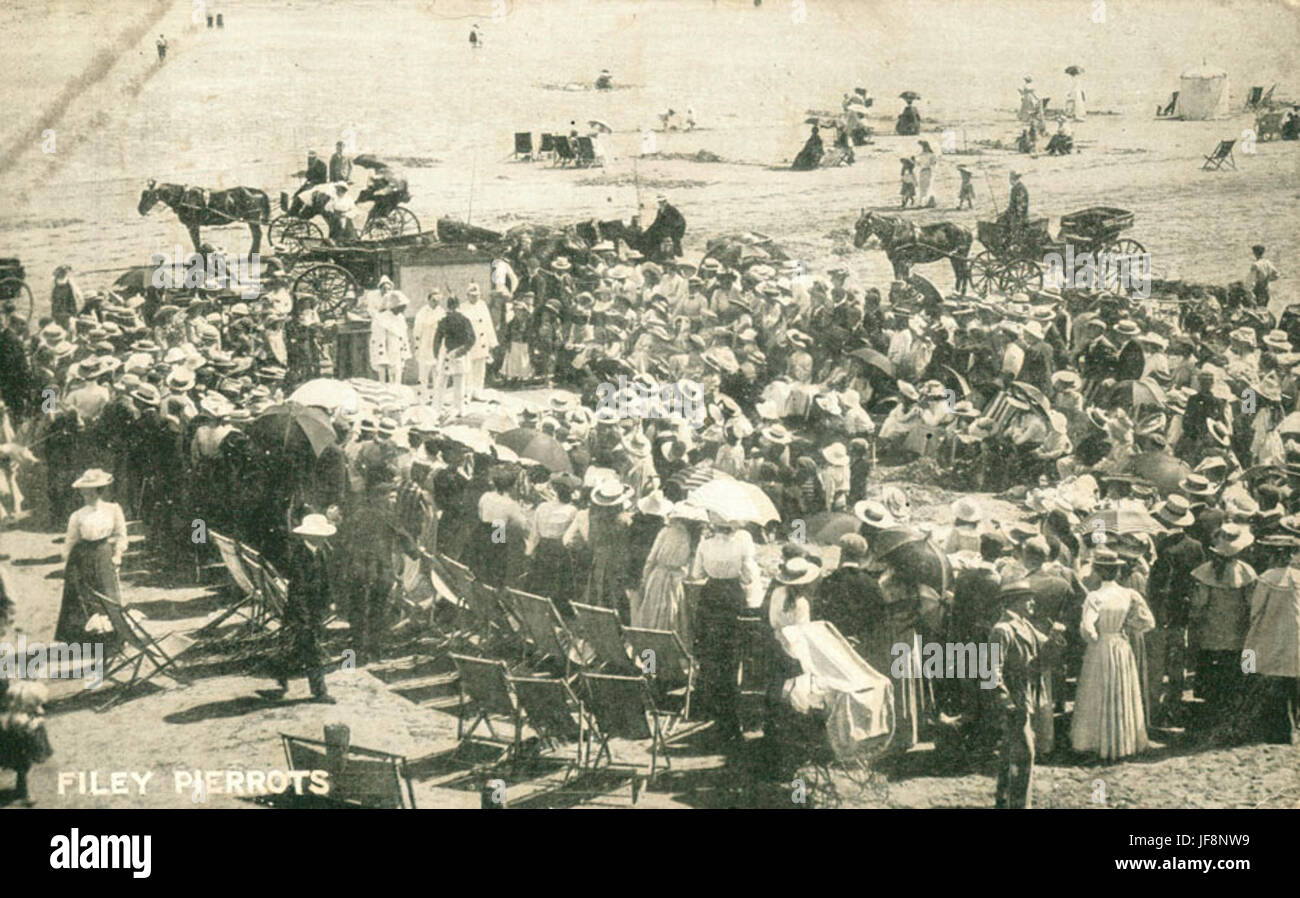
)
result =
(140, 649)
(249, 592)
(564, 154)
(1165, 111)
(542, 627)
(523, 144)
(485, 692)
(555, 714)
(586, 151)
(358, 778)
(603, 632)
(1253, 98)
(623, 708)
(490, 612)
(664, 660)
(548, 145)
(1222, 154)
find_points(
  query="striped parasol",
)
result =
(697, 475)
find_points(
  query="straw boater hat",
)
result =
(315, 525)
(610, 491)
(1107, 559)
(1063, 380)
(874, 514)
(146, 394)
(93, 479)
(777, 433)
(1277, 339)
(1196, 485)
(965, 511)
(798, 570)
(1219, 432)
(561, 263)
(181, 378)
(1176, 511)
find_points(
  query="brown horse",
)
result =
(196, 206)
(907, 244)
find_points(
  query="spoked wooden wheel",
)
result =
(395, 224)
(331, 286)
(15, 290)
(1020, 275)
(288, 234)
(983, 272)
(1125, 265)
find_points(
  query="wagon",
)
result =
(336, 276)
(1012, 259)
(13, 287)
(295, 233)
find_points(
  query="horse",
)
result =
(907, 244)
(196, 206)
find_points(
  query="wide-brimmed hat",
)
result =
(1106, 558)
(610, 491)
(94, 478)
(1015, 591)
(1176, 511)
(836, 454)
(147, 394)
(1277, 339)
(561, 263)
(655, 504)
(315, 525)
(1062, 380)
(777, 433)
(1242, 335)
(874, 514)
(1231, 539)
(1219, 432)
(965, 511)
(798, 570)
(180, 378)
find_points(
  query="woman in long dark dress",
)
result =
(551, 573)
(811, 154)
(96, 539)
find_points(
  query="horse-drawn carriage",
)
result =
(1012, 260)
(296, 229)
(13, 287)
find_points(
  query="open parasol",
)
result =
(734, 500)
(909, 96)
(470, 437)
(600, 126)
(287, 424)
(1120, 521)
(538, 446)
(1290, 424)
(371, 161)
(1074, 70)
(327, 393)
(1031, 394)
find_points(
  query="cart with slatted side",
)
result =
(1012, 259)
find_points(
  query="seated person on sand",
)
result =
(1026, 142)
(811, 154)
(1061, 144)
(605, 81)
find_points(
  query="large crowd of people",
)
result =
(1146, 444)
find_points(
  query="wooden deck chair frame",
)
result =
(564, 152)
(624, 708)
(485, 690)
(603, 631)
(542, 625)
(138, 649)
(490, 608)
(523, 144)
(249, 589)
(674, 665)
(383, 763)
(1222, 154)
(586, 152)
(547, 145)
(549, 706)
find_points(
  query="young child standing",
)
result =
(907, 189)
(23, 740)
(966, 197)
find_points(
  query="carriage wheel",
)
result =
(16, 290)
(1124, 248)
(332, 286)
(983, 272)
(396, 223)
(287, 234)
(1019, 276)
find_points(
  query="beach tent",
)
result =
(1202, 94)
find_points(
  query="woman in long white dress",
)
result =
(925, 162)
(1108, 716)
(663, 597)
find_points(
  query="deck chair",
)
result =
(523, 145)
(623, 708)
(548, 145)
(603, 632)
(550, 708)
(564, 154)
(673, 666)
(1252, 99)
(1165, 111)
(146, 656)
(1222, 154)
(586, 152)
(490, 611)
(247, 592)
(544, 629)
(358, 778)
(485, 692)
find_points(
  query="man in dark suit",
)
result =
(310, 575)
(975, 609)
(850, 598)
(1170, 590)
(668, 223)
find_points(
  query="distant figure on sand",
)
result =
(475, 39)
(811, 154)
(1061, 144)
(966, 197)
(161, 44)
(907, 184)
(1030, 106)
(605, 81)
(909, 120)
(1262, 273)
(925, 162)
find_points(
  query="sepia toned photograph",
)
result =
(649, 404)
